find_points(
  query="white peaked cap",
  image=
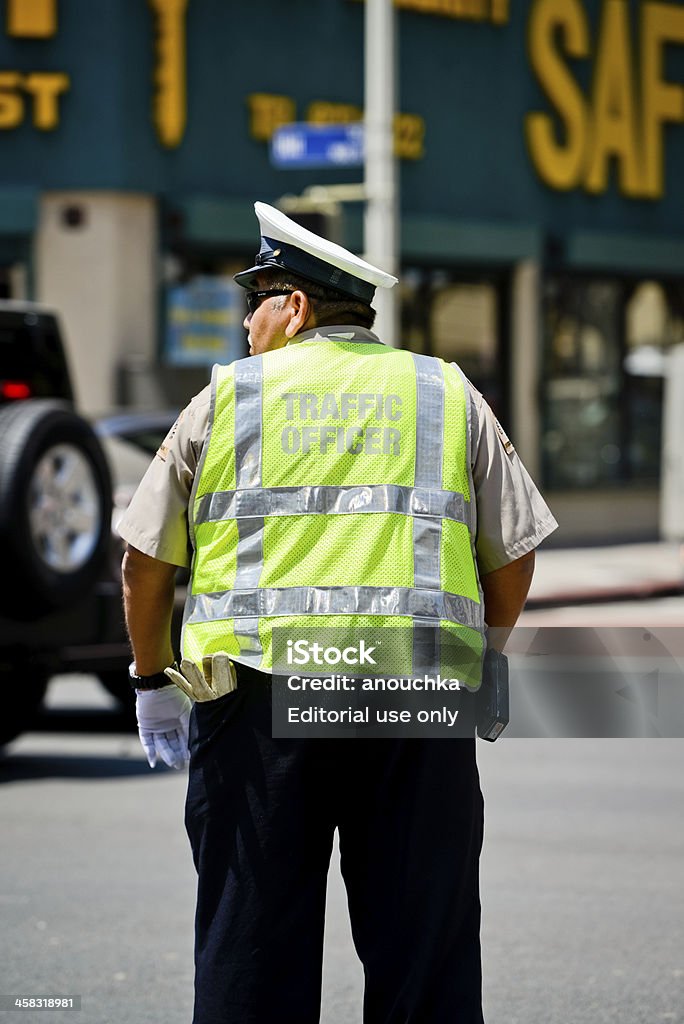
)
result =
(289, 246)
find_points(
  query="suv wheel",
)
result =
(55, 507)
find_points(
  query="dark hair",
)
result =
(330, 306)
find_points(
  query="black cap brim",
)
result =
(281, 256)
(248, 278)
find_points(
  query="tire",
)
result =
(22, 697)
(55, 508)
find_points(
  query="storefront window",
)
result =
(654, 322)
(464, 330)
(413, 294)
(605, 345)
(15, 272)
(459, 321)
(581, 442)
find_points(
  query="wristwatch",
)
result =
(154, 682)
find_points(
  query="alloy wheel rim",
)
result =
(64, 512)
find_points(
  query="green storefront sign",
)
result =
(564, 116)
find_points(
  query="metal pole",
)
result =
(672, 486)
(382, 207)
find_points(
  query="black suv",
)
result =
(60, 607)
(32, 362)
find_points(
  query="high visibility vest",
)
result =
(334, 491)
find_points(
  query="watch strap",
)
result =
(153, 682)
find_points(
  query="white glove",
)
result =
(216, 677)
(163, 718)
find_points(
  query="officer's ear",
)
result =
(301, 311)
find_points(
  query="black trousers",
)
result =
(261, 814)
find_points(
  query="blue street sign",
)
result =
(317, 145)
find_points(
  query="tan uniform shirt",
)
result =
(512, 516)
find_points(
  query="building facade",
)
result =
(541, 154)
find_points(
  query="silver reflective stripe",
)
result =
(427, 533)
(246, 633)
(470, 507)
(427, 544)
(472, 432)
(426, 647)
(326, 500)
(426, 604)
(249, 434)
(472, 428)
(250, 553)
(429, 421)
(249, 382)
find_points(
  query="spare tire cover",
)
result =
(55, 507)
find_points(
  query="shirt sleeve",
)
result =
(156, 521)
(512, 516)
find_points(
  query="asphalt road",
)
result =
(582, 879)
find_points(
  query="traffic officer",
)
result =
(327, 479)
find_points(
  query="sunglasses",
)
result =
(254, 299)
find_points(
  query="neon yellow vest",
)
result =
(333, 490)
